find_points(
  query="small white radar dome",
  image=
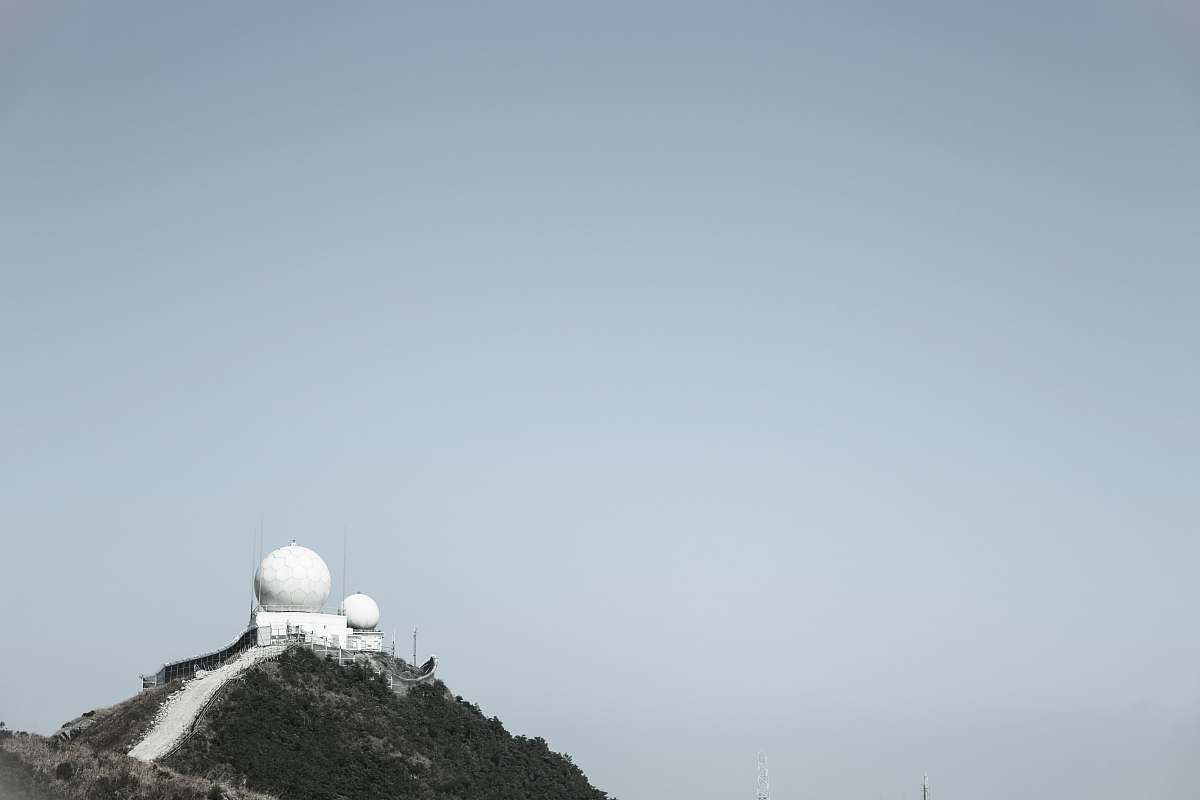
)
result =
(292, 578)
(362, 613)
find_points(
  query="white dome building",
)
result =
(292, 578)
(362, 613)
(292, 585)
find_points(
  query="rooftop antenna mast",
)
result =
(253, 569)
(762, 789)
(254, 566)
(345, 539)
(925, 786)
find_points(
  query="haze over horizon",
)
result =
(701, 378)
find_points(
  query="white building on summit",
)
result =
(292, 585)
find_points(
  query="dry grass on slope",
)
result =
(45, 769)
(118, 727)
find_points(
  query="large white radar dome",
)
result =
(362, 613)
(292, 578)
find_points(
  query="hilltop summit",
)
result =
(300, 726)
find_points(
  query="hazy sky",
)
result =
(819, 378)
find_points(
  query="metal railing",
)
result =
(186, 668)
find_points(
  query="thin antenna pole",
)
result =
(253, 570)
(253, 589)
(925, 786)
(414, 661)
(345, 547)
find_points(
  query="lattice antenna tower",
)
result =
(925, 787)
(762, 786)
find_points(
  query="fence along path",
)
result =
(178, 712)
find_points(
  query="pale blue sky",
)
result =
(701, 378)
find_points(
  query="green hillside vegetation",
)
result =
(300, 727)
(304, 727)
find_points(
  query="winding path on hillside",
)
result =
(179, 711)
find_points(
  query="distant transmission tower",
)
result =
(763, 784)
(925, 787)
